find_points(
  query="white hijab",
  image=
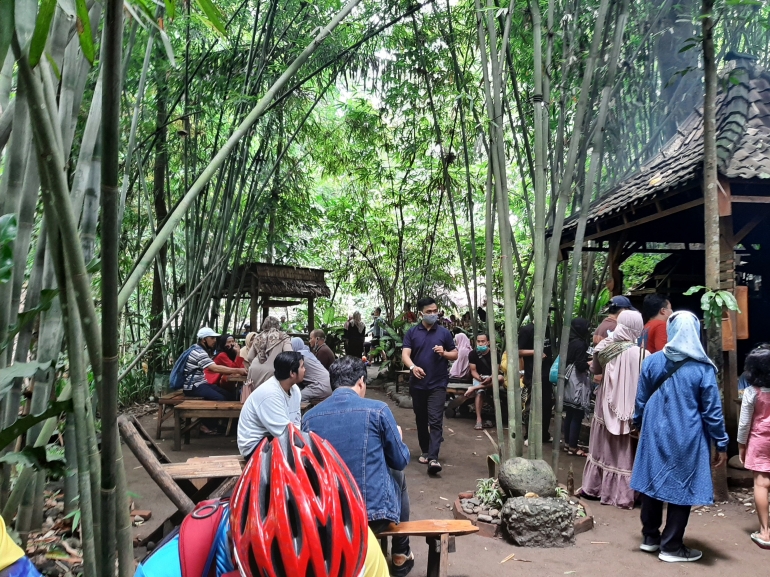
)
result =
(683, 330)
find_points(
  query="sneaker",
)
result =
(402, 564)
(434, 467)
(650, 544)
(683, 555)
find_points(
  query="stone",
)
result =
(540, 522)
(466, 495)
(497, 521)
(474, 501)
(468, 510)
(735, 463)
(476, 509)
(494, 512)
(521, 476)
(485, 518)
(404, 401)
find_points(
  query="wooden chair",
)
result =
(196, 410)
(440, 535)
(166, 405)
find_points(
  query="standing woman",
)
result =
(267, 345)
(680, 414)
(617, 363)
(577, 386)
(355, 333)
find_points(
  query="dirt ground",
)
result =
(611, 549)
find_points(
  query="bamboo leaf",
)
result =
(83, 27)
(170, 8)
(131, 10)
(6, 28)
(19, 370)
(213, 15)
(40, 35)
(167, 46)
(24, 15)
(22, 425)
(8, 231)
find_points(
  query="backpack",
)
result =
(178, 378)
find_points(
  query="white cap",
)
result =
(206, 332)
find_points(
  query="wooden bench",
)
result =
(440, 535)
(166, 405)
(196, 410)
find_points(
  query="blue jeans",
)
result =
(573, 420)
(400, 545)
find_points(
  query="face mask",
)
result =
(430, 319)
(482, 348)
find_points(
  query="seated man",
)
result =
(273, 405)
(366, 436)
(320, 349)
(480, 364)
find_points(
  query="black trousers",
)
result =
(428, 406)
(672, 538)
(573, 420)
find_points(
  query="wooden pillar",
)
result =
(310, 314)
(253, 311)
(265, 307)
(615, 280)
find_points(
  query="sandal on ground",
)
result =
(478, 426)
(404, 567)
(581, 453)
(488, 424)
(423, 458)
(762, 544)
(434, 467)
(209, 432)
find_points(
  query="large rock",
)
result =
(521, 476)
(539, 522)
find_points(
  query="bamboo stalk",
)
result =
(219, 158)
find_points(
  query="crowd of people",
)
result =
(643, 378)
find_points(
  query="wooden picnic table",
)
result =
(196, 410)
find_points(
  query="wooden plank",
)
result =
(430, 528)
(204, 470)
(724, 196)
(212, 413)
(217, 405)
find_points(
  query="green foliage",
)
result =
(489, 494)
(42, 26)
(83, 28)
(713, 303)
(8, 232)
(19, 370)
(23, 424)
(46, 298)
(39, 458)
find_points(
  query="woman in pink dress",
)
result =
(754, 436)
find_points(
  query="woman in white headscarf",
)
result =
(617, 361)
(680, 414)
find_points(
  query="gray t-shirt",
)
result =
(197, 361)
(267, 411)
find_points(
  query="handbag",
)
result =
(553, 375)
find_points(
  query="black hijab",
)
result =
(579, 337)
(222, 347)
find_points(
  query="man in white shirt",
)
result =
(273, 405)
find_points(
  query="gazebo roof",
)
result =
(274, 280)
(743, 151)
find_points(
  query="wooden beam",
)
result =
(723, 197)
(310, 314)
(749, 226)
(644, 220)
(751, 199)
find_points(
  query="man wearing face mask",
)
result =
(480, 363)
(426, 349)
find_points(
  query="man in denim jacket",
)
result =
(366, 436)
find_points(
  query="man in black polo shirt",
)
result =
(426, 349)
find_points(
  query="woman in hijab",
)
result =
(460, 368)
(617, 361)
(267, 345)
(247, 345)
(355, 333)
(577, 386)
(229, 356)
(680, 414)
(316, 387)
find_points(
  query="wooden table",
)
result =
(193, 410)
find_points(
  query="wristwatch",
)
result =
(412, 367)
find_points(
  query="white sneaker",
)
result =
(684, 555)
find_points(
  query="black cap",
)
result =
(620, 302)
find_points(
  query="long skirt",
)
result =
(607, 475)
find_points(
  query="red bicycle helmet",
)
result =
(296, 510)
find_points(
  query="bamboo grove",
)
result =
(410, 148)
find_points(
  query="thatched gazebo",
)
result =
(264, 283)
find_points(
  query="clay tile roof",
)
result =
(743, 147)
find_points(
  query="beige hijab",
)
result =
(270, 337)
(247, 344)
(621, 372)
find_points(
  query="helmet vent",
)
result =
(275, 556)
(245, 509)
(253, 566)
(312, 477)
(294, 520)
(325, 537)
(347, 515)
(317, 453)
(264, 499)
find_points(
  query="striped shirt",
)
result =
(193, 371)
